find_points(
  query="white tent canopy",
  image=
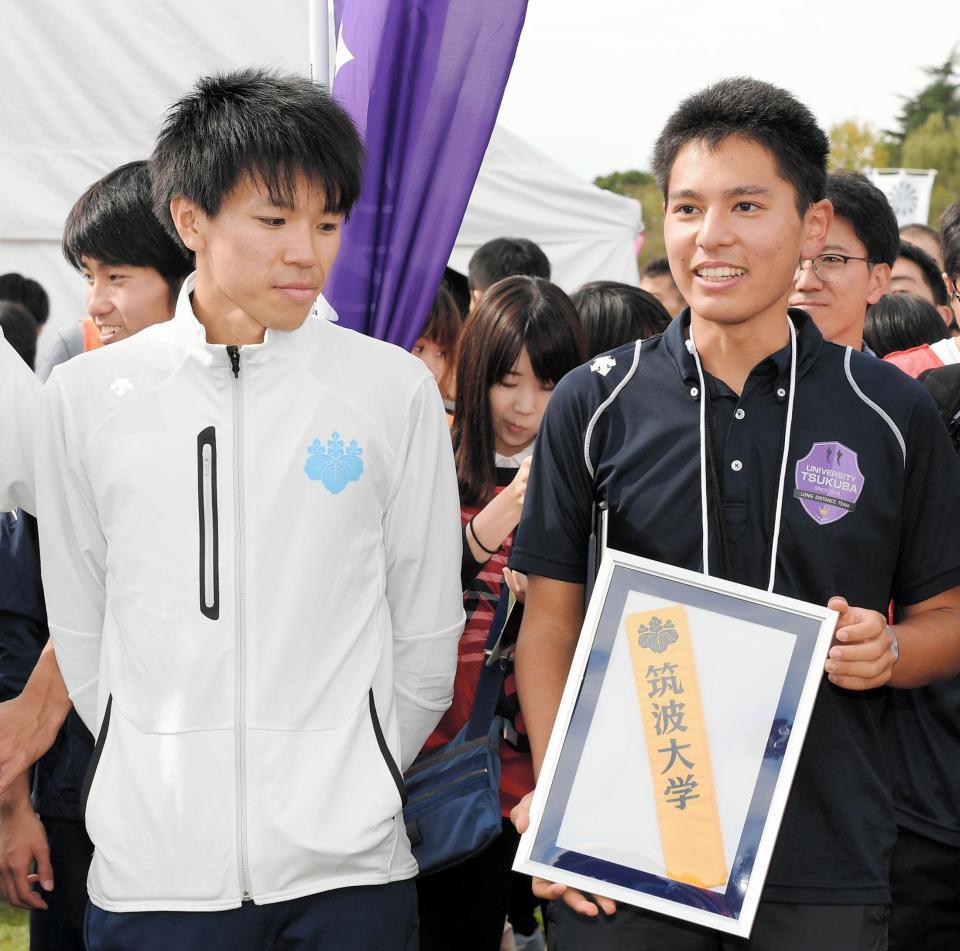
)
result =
(587, 233)
(85, 85)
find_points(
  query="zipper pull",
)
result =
(234, 354)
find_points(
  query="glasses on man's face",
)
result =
(829, 266)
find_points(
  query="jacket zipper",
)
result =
(240, 703)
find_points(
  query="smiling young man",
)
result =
(134, 271)
(853, 269)
(132, 268)
(250, 544)
(743, 169)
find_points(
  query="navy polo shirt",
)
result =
(871, 481)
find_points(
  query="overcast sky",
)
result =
(594, 80)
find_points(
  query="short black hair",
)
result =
(25, 290)
(950, 241)
(656, 268)
(257, 124)
(506, 257)
(758, 112)
(929, 269)
(860, 202)
(614, 314)
(901, 321)
(20, 330)
(113, 223)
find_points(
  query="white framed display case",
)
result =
(676, 742)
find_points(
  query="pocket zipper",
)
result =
(209, 580)
(483, 770)
(208, 595)
(431, 759)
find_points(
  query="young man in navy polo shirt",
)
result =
(757, 394)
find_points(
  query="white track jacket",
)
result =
(251, 563)
(19, 392)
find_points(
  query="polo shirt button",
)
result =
(736, 465)
(781, 393)
(739, 414)
(694, 392)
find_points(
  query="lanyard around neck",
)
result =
(704, 505)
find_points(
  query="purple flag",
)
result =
(423, 80)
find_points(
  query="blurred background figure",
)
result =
(436, 344)
(656, 279)
(925, 238)
(915, 272)
(28, 292)
(614, 314)
(504, 257)
(20, 329)
(950, 250)
(900, 322)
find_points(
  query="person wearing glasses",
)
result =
(853, 269)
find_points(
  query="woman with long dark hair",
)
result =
(523, 337)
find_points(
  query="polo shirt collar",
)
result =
(809, 342)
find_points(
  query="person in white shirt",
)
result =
(19, 390)
(249, 540)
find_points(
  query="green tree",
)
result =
(857, 145)
(936, 144)
(620, 182)
(641, 186)
(941, 95)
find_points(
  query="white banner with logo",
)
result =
(907, 189)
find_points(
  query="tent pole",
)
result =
(319, 16)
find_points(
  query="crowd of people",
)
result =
(230, 620)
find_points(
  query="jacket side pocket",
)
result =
(95, 758)
(385, 752)
(209, 525)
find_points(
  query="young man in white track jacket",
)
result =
(250, 537)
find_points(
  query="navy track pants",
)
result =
(364, 918)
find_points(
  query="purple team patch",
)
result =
(829, 482)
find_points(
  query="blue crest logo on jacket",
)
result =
(334, 464)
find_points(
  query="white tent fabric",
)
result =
(587, 233)
(85, 84)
